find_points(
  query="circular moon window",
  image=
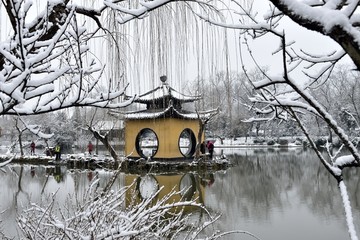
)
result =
(187, 143)
(147, 143)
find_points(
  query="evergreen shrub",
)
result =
(283, 141)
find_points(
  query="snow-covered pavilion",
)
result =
(164, 130)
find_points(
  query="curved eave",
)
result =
(164, 91)
(146, 101)
(167, 113)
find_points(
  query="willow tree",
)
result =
(44, 63)
(54, 53)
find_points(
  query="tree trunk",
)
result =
(105, 141)
(199, 138)
(19, 137)
(20, 145)
(97, 147)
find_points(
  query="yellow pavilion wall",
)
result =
(168, 131)
(169, 183)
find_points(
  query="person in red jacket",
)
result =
(90, 147)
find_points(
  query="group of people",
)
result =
(57, 150)
(209, 146)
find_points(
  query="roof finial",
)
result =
(163, 79)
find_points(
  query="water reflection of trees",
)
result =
(22, 184)
(265, 181)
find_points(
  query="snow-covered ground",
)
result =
(240, 142)
(254, 142)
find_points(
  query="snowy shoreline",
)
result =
(250, 146)
(80, 161)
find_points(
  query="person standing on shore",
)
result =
(90, 147)
(32, 148)
(210, 147)
(57, 152)
(202, 148)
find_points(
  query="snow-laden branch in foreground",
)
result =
(36, 130)
(133, 11)
(2, 164)
(46, 64)
(117, 215)
(348, 211)
(345, 161)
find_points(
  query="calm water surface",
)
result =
(283, 194)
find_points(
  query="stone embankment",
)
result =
(127, 165)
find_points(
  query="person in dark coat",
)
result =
(210, 147)
(202, 148)
(32, 148)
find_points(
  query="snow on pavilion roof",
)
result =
(165, 91)
(168, 112)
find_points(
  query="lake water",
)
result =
(274, 194)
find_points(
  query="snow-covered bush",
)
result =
(116, 215)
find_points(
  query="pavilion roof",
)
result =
(165, 91)
(170, 111)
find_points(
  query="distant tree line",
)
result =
(231, 92)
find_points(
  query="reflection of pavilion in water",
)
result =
(188, 186)
(164, 130)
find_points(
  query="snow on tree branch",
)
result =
(338, 20)
(132, 11)
(2, 164)
(285, 94)
(43, 63)
(116, 215)
(36, 130)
